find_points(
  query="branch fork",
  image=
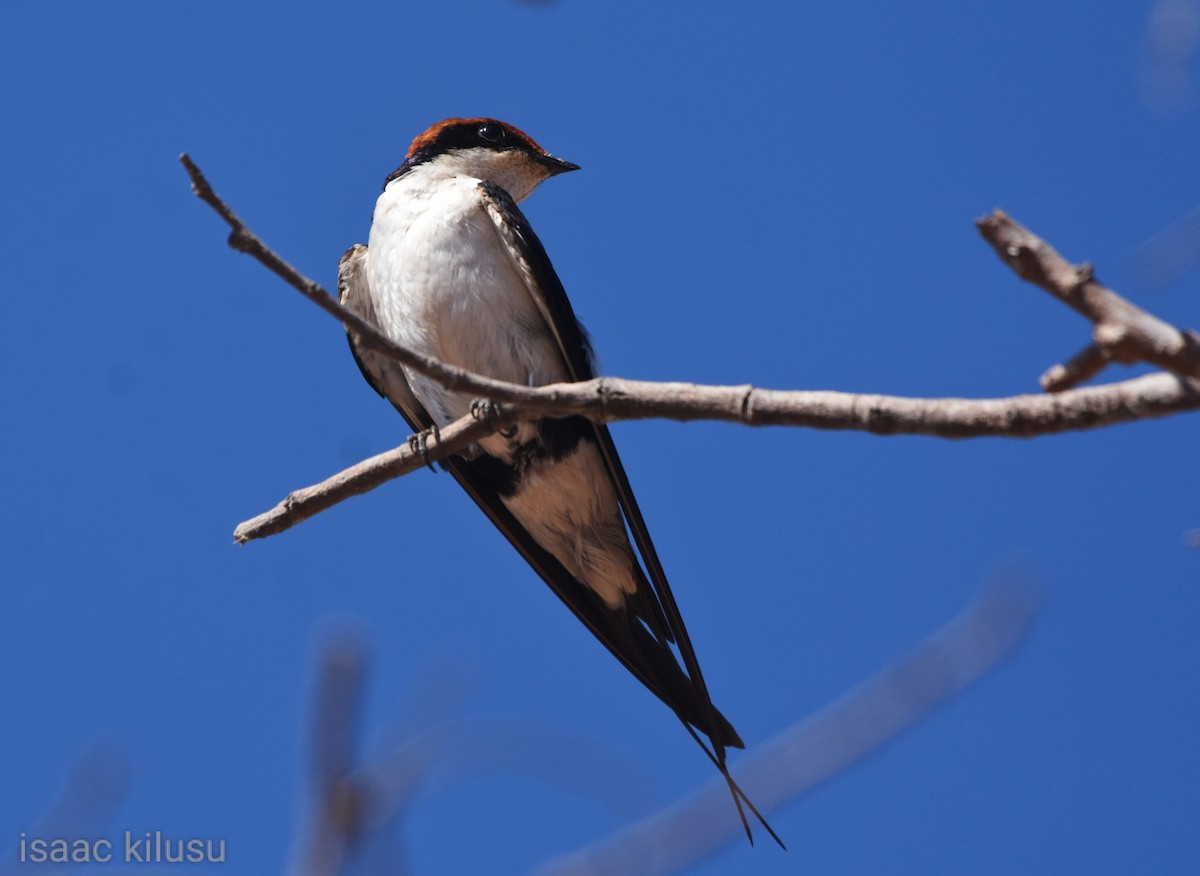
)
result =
(1121, 332)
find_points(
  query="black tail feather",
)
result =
(735, 790)
(678, 691)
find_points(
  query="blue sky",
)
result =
(780, 194)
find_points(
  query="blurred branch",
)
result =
(357, 803)
(1168, 52)
(806, 754)
(95, 789)
(1122, 331)
(341, 803)
(1171, 253)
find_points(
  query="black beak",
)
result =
(556, 165)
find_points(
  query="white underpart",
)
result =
(444, 284)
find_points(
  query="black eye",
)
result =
(492, 133)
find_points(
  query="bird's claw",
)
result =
(418, 443)
(486, 409)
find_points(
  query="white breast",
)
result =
(444, 284)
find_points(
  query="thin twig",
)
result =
(1081, 367)
(362, 477)
(244, 240)
(1125, 331)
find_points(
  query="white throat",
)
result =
(512, 170)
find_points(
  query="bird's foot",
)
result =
(486, 409)
(418, 443)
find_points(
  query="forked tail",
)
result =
(740, 800)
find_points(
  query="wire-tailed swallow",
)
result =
(454, 271)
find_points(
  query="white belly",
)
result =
(443, 284)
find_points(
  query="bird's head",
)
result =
(486, 149)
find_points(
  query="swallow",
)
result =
(452, 269)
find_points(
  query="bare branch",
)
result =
(1081, 367)
(810, 752)
(362, 477)
(609, 399)
(1122, 329)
